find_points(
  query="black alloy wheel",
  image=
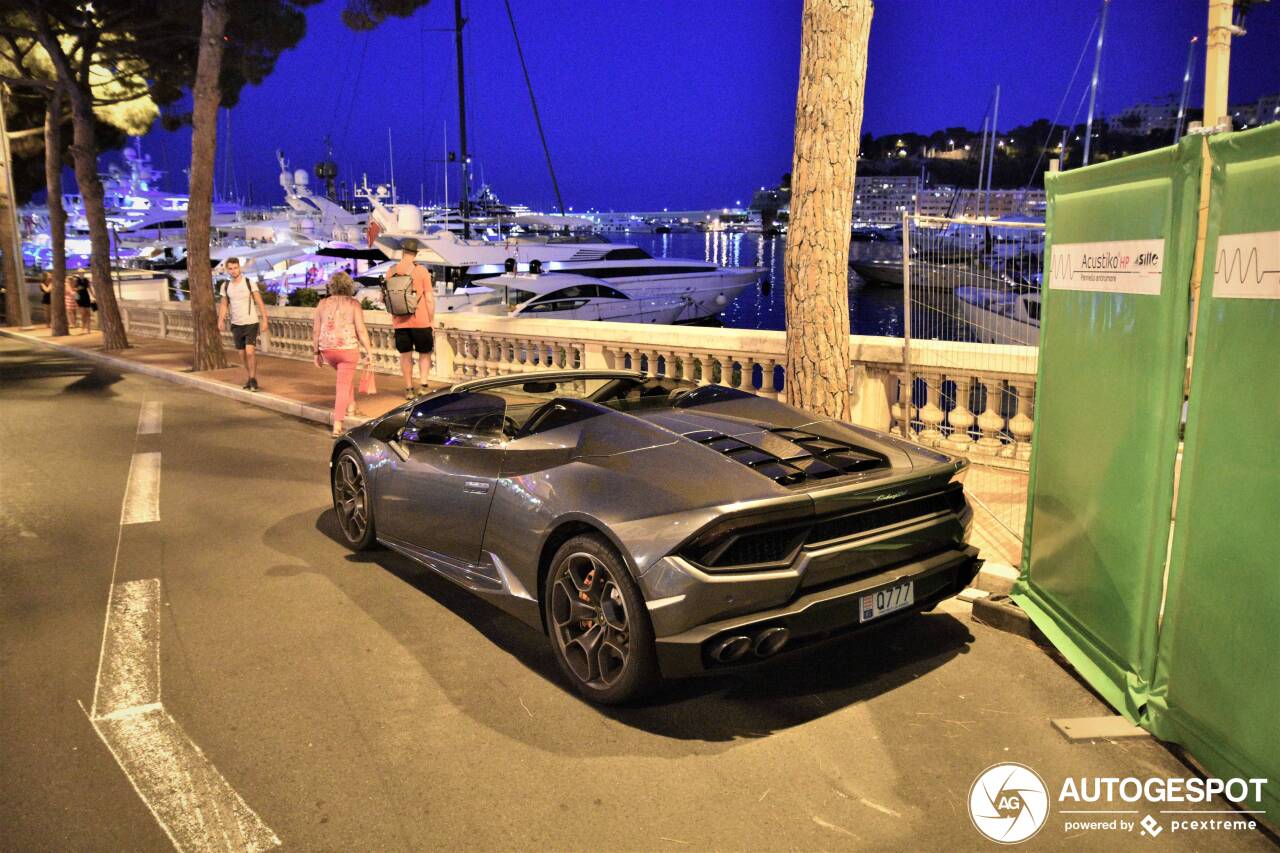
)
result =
(351, 501)
(600, 629)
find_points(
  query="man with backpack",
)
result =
(410, 298)
(240, 298)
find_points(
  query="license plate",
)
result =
(887, 599)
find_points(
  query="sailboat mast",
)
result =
(465, 202)
(391, 156)
(982, 167)
(1093, 87)
(991, 151)
(1186, 88)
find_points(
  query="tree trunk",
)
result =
(84, 152)
(10, 250)
(57, 216)
(833, 71)
(13, 272)
(207, 95)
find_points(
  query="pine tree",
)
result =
(833, 70)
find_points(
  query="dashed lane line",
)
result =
(130, 673)
(149, 420)
(142, 493)
(193, 803)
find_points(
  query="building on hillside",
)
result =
(879, 200)
(1000, 203)
(1262, 111)
(1140, 119)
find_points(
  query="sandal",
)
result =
(337, 429)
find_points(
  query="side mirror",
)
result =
(387, 428)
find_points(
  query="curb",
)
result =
(996, 578)
(262, 400)
(999, 612)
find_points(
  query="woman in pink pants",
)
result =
(340, 337)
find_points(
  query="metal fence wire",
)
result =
(971, 317)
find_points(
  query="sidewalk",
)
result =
(290, 386)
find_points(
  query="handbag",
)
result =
(367, 383)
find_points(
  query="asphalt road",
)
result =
(360, 703)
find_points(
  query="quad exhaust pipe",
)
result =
(765, 644)
(770, 641)
(730, 649)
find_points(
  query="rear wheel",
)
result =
(599, 626)
(351, 501)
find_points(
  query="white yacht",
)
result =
(316, 216)
(546, 296)
(568, 296)
(458, 263)
(1001, 316)
(138, 212)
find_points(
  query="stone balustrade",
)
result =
(967, 398)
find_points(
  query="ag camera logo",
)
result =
(1008, 803)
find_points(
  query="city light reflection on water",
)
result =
(873, 310)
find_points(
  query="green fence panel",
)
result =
(1217, 683)
(1120, 243)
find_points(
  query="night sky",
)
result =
(679, 103)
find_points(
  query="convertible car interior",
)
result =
(491, 418)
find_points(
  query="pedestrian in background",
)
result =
(339, 337)
(242, 300)
(46, 298)
(413, 331)
(86, 303)
(69, 302)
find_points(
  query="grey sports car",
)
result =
(652, 527)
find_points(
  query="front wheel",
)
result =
(599, 626)
(351, 501)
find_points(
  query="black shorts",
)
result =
(246, 335)
(408, 340)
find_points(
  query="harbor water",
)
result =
(873, 309)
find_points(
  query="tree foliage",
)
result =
(367, 14)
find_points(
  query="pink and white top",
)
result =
(335, 323)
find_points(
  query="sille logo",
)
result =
(1008, 803)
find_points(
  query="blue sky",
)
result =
(680, 104)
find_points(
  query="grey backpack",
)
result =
(398, 293)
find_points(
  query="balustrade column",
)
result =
(746, 375)
(990, 422)
(1021, 424)
(900, 408)
(726, 371)
(931, 414)
(961, 418)
(769, 379)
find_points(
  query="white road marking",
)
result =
(149, 420)
(130, 674)
(189, 798)
(142, 493)
(193, 803)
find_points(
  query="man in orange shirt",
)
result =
(413, 331)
